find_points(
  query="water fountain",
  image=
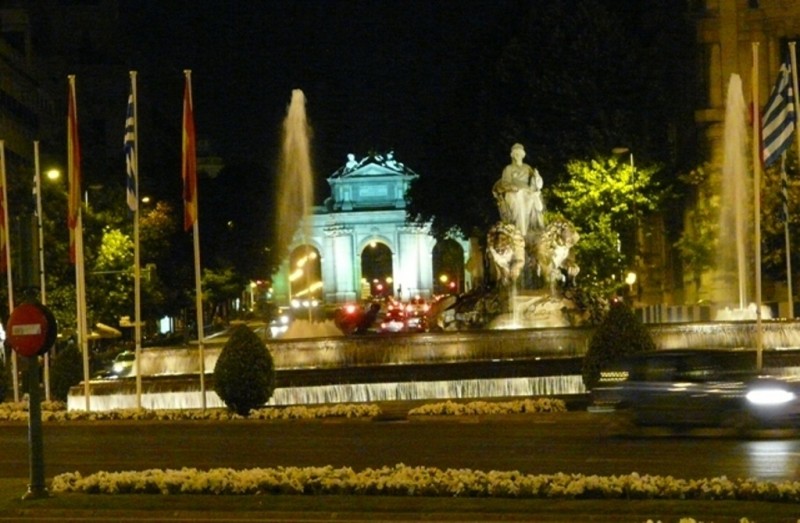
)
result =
(317, 366)
(295, 196)
(732, 282)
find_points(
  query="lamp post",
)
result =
(52, 174)
(626, 150)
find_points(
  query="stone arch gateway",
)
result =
(367, 206)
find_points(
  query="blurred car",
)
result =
(354, 318)
(394, 320)
(121, 366)
(417, 315)
(692, 388)
(259, 328)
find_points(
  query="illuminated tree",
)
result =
(109, 283)
(606, 200)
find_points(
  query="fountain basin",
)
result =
(440, 365)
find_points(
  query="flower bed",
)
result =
(451, 408)
(402, 480)
(56, 411)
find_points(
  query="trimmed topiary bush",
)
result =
(244, 377)
(621, 333)
(66, 371)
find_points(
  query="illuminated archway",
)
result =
(376, 269)
(367, 204)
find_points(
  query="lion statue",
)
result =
(506, 247)
(551, 253)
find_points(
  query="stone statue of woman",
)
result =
(518, 194)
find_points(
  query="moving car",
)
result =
(121, 366)
(688, 388)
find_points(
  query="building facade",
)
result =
(726, 30)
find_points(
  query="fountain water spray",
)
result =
(295, 196)
(735, 202)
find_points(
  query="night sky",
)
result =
(374, 72)
(449, 86)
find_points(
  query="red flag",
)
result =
(73, 168)
(3, 228)
(189, 163)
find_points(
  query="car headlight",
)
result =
(770, 396)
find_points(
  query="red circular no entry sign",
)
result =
(31, 329)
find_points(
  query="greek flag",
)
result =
(779, 119)
(130, 153)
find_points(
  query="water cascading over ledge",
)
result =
(440, 365)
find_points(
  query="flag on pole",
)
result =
(130, 152)
(778, 121)
(189, 159)
(73, 168)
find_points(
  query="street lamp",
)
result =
(630, 279)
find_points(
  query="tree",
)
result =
(698, 243)
(110, 282)
(620, 334)
(772, 218)
(66, 371)
(244, 376)
(606, 199)
(166, 269)
(220, 287)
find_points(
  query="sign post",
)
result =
(31, 332)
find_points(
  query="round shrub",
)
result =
(66, 371)
(621, 333)
(244, 376)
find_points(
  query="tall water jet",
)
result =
(295, 196)
(735, 209)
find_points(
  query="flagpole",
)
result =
(793, 56)
(757, 201)
(198, 298)
(80, 286)
(796, 94)
(137, 272)
(75, 207)
(196, 242)
(37, 179)
(7, 249)
(785, 196)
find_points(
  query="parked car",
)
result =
(689, 388)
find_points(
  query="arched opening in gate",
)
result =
(448, 267)
(376, 270)
(305, 276)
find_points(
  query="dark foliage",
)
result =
(620, 334)
(5, 380)
(66, 371)
(244, 377)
